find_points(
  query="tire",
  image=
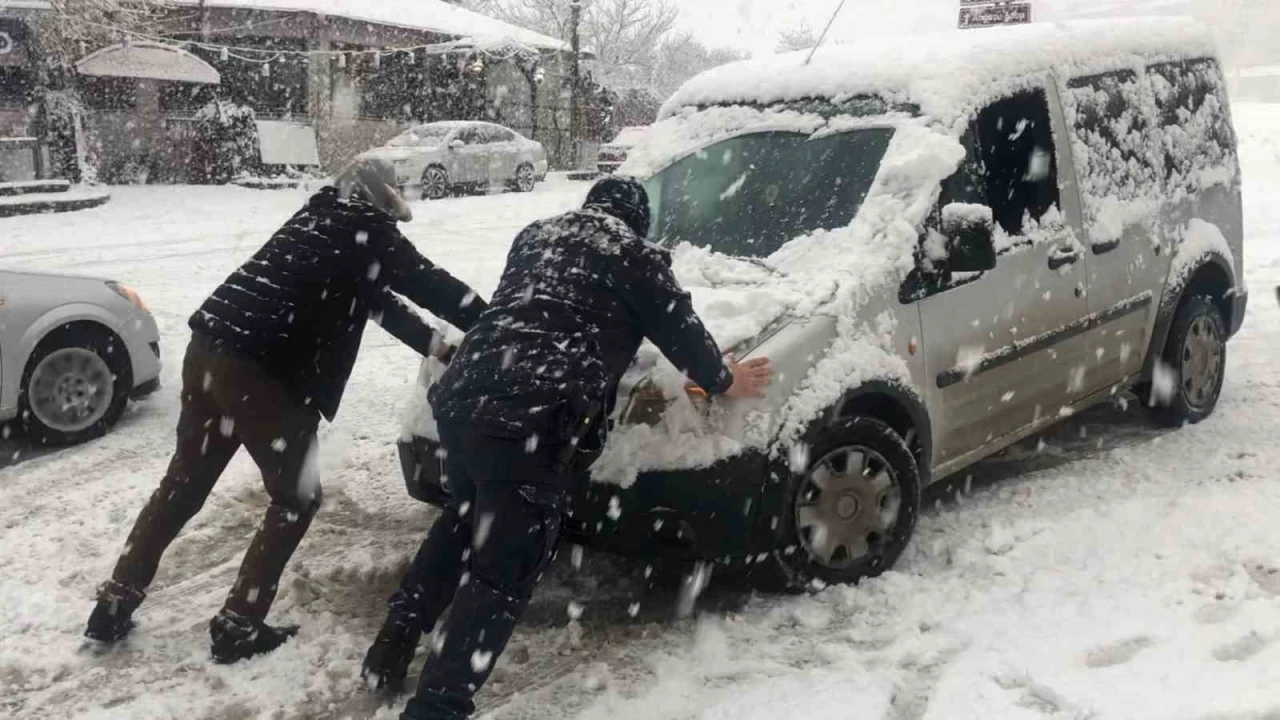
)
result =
(1192, 367)
(75, 386)
(526, 178)
(808, 549)
(435, 183)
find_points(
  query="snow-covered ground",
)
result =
(1109, 570)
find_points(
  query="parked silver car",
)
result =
(446, 157)
(73, 351)
(942, 252)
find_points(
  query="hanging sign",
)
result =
(984, 13)
(12, 53)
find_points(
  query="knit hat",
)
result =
(374, 181)
(624, 198)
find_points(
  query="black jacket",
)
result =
(298, 307)
(579, 294)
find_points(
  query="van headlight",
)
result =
(129, 294)
(648, 403)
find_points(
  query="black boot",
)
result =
(389, 657)
(112, 617)
(236, 637)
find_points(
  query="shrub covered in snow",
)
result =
(226, 143)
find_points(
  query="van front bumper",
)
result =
(697, 514)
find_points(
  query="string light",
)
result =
(266, 69)
(508, 51)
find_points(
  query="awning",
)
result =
(149, 61)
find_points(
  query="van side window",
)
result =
(1195, 126)
(1015, 146)
(1116, 160)
(1009, 166)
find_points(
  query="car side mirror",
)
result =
(969, 230)
(456, 144)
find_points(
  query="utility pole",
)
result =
(204, 22)
(575, 75)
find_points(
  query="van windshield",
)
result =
(749, 195)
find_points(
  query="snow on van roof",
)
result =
(945, 73)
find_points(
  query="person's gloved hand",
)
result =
(750, 378)
(443, 351)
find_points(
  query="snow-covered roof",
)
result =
(429, 15)
(24, 5)
(945, 73)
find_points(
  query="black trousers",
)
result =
(228, 402)
(484, 555)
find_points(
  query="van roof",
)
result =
(946, 74)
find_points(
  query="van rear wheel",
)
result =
(850, 512)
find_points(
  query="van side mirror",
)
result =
(456, 144)
(969, 230)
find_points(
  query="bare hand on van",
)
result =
(750, 378)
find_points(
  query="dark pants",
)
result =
(484, 555)
(228, 402)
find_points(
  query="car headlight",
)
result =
(129, 294)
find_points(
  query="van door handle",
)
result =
(1062, 257)
(1101, 248)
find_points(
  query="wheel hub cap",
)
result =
(1201, 361)
(847, 506)
(71, 389)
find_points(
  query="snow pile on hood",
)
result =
(946, 73)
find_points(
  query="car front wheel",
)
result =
(435, 183)
(75, 386)
(526, 178)
(850, 511)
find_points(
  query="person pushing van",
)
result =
(270, 353)
(521, 410)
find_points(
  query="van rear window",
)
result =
(1196, 127)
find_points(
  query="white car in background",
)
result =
(613, 154)
(73, 351)
(445, 157)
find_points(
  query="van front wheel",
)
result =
(850, 512)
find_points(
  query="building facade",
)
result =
(352, 78)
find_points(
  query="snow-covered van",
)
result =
(945, 244)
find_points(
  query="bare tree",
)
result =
(622, 36)
(76, 27)
(800, 37)
(682, 56)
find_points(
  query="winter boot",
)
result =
(389, 657)
(112, 617)
(236, 637)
